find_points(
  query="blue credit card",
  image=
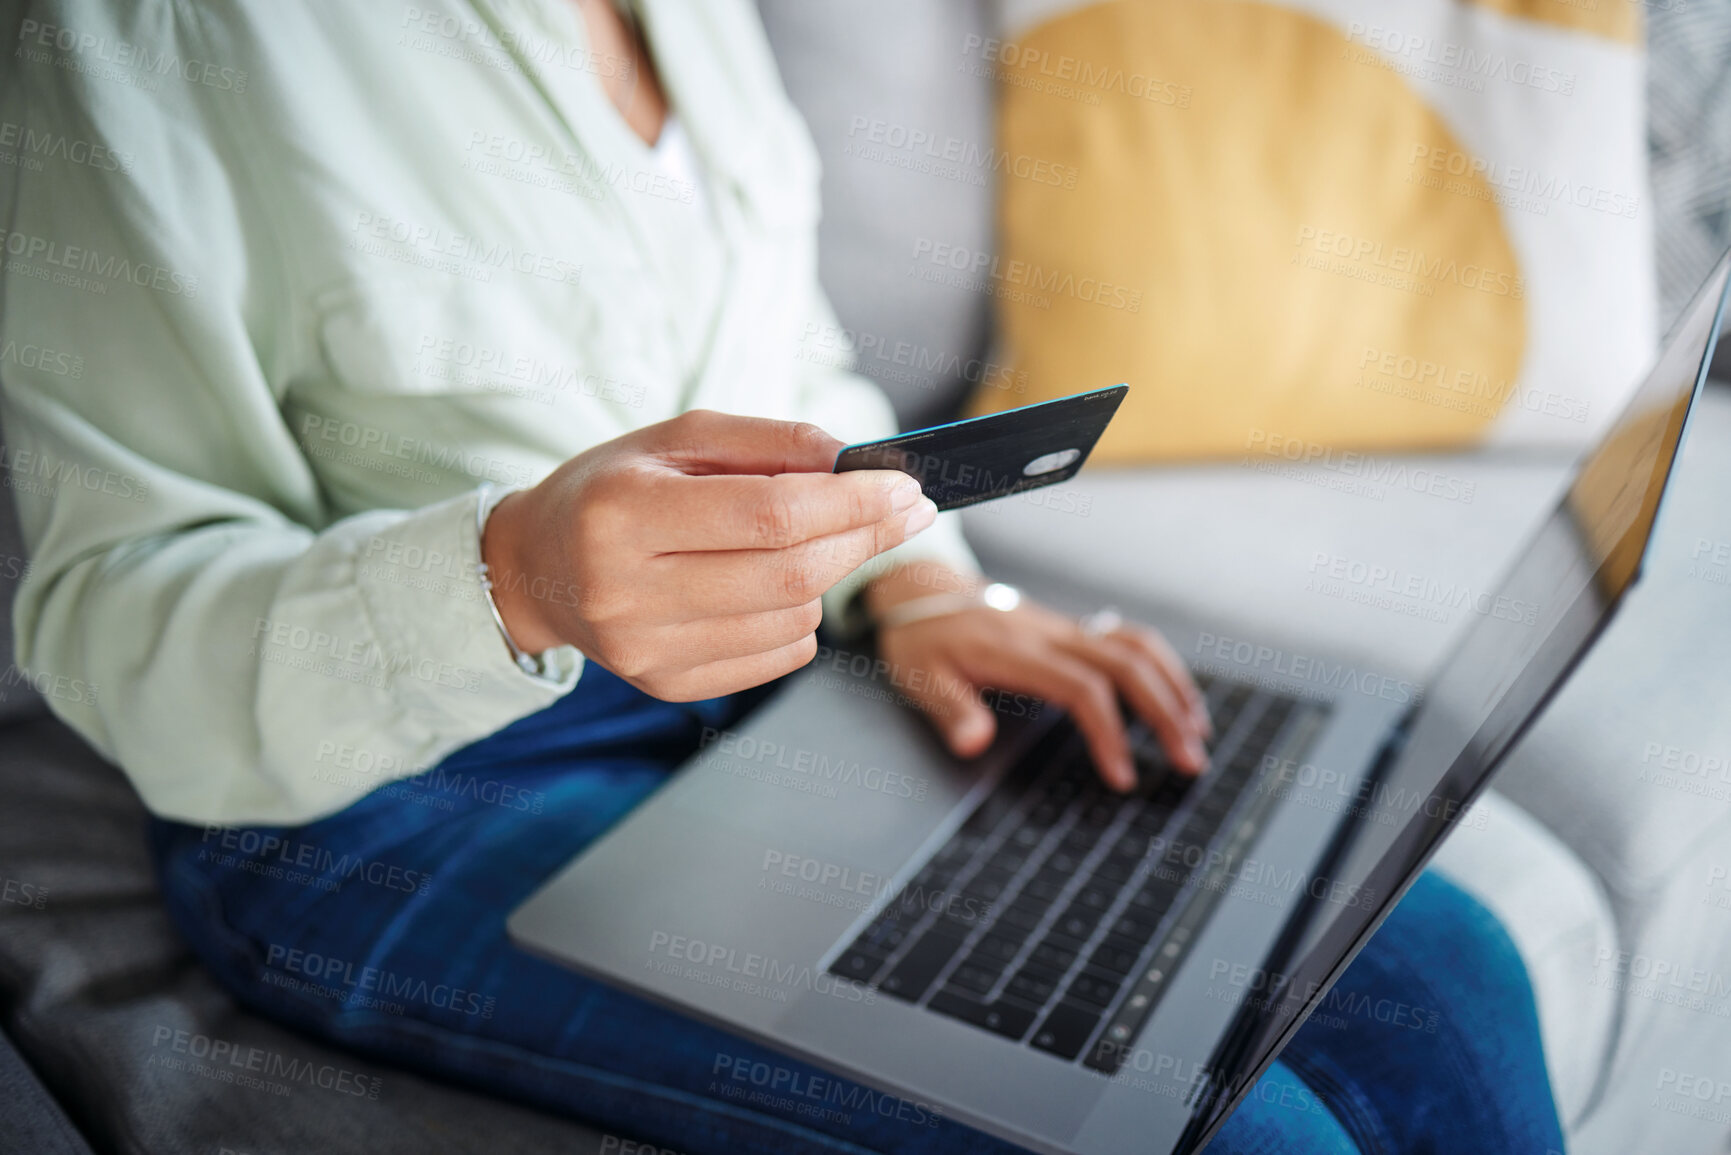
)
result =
(967, 462)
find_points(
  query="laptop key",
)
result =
(1095, 989)
(1096, 897)
(997, 948)
(1061, 862)
(1115, 872)
(1115, 959)
(1077, 922)
(1000, 1018)
(1169, 792)
(1080, 840)
(975, 977)
(1217, 802)
(910, 977)
(1032, 985)
(885, 938)
(1021, 916)
(1098, 816)
(1066, 1029)
(964, 844)
(988, 886)
(1157, 895)
(1241, 769)
(1044, 887)
(1132, 845)
(859, 965)
(1051, 954)
(962, 914)
(1148, 905)
(1133, 928)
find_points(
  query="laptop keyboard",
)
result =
(1057, 911)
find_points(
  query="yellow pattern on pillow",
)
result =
(1269, 247)
(1618, 20)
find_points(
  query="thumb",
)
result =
(704, 441)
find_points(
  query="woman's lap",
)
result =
(409, 962)
(381, 928)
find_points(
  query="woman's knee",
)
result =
(1282, 1115)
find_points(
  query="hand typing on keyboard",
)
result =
(1035, 651)
(1055, 915)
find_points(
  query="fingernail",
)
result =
(923, 515)
(905, 493)
(1198, 755)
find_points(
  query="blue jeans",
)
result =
(382, 930)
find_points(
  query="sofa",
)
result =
(1604, 845)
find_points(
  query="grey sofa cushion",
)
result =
(1293, 557)
(96, 987)
(1631, 764)
(885, 92)
(31, 1120)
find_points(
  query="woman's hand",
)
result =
(1034, 650)
(696, 550)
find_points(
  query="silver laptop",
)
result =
(1006, 943)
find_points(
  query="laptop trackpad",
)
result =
(833, 769)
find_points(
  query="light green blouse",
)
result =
(285, 284)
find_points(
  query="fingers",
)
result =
(731, 527)
(703, 441)
(680, 513)
(1034, 650)
(718, 639)
(731, 675)
(1142, 684)
(1088, 695)
(953, 705)
(718, 583)
(1172, 669)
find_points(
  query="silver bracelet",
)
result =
(490, 497)
(997, 596)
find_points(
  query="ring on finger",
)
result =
(1101, 622)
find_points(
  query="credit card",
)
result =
(967, 462)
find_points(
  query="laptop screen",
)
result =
(1502, 671)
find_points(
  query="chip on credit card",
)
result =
(967, 462)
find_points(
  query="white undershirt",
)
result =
(673, 152)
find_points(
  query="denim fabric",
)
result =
(382, 929)
(1429, 1043)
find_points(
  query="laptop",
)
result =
(1008, 944)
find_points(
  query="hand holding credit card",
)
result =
(981, 458)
